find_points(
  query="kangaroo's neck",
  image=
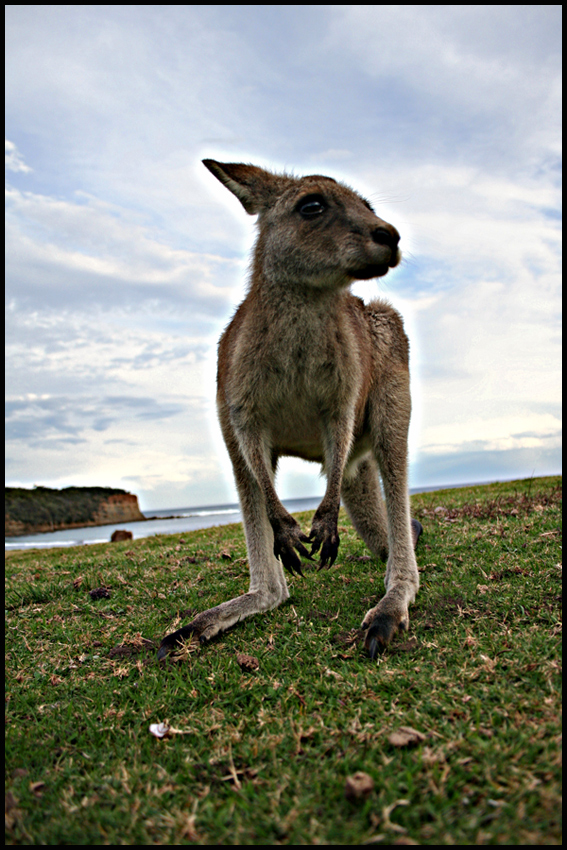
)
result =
(280, 285)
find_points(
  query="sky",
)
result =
(126, 258)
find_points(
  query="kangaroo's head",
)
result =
(314, 231)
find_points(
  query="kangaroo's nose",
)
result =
(388, 236)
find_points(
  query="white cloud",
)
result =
(525, 430)
(473, 57)
(99, 239)
(14, 161)
(466, 216)
(332, 154)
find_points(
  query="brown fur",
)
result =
(307, 369)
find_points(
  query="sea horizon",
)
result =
(174, 521)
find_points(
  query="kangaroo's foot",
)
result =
(175, 639)
(220, 618)
(381, 629)
(205, 626)
(391, 614)
(382, 623)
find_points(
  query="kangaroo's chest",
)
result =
(301, 368)
(293, 380)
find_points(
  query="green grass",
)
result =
(266, 753)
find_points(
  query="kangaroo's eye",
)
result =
(312, 206)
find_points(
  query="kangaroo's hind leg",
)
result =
(363, 503)
(268, 587)
(389, 414)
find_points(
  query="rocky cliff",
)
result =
(44, 509)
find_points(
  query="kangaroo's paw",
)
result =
(288, 537)
(325, 536)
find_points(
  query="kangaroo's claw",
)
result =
(290, 559)
(287, 539)
(329, 552)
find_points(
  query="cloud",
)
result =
(484, 465)
(86, 249)
(333, 154)
(45, 420)
(62, 352)
(112, 440)
(487, 224)
(125, 258)
(465, 60)
(14, 161)
(528, 430)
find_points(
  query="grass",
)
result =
(266, 752)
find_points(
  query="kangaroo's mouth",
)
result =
(372, 270)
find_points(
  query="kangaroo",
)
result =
(307, 369)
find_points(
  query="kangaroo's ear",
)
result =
(255, 188)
